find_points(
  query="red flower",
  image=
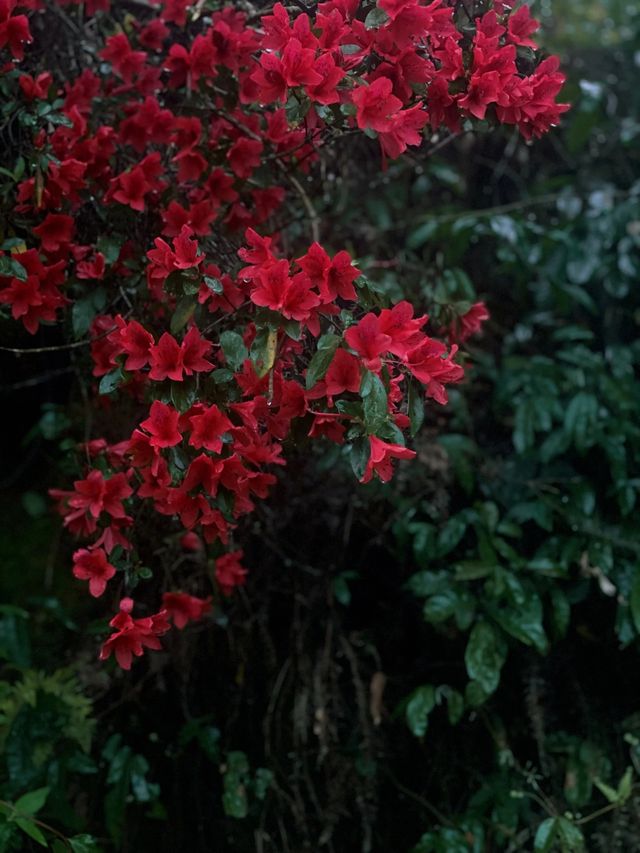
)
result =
(431, 366)
(56, 231)
(126, 62)
(375, 105)
(136, 343)
(133, 635)
(244, 156)
(332, 277)
(326, 91)
(166, 359)
(368, 341)
(208, 428)
(95, 494)
(405, 130)
(521, 26)
(380, 456)
(343, 374)
(162, 425)
(35, 89)
(194, 349)
(186, 250)
(275, 75)
(470, 323)
(14, 31)
(229, 572)
(183, 608)
(484, 89)
(292, 297)
(94, 567)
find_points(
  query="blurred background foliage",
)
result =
(445, 664)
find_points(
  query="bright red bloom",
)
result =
(162, 425)
(35, 89)
(343, 374)
(166, 359)
(135, 341)
(95, 494)
(334, 278)
(295, 68)
(14, 31)
(131, 636)
(194, 348)
(521, 26)
(208, 428)
(229, 571)
(375, 105)
(94, 567)
(380, 456)
(126, 62)
(183, 608)
(292, 297)
(470, 323)
(368, 340)
(431, 366)
(405, 130)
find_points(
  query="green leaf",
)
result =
(12, 268)
(415, 407)
(293, 329)
(110, 381)
(263, 350)
(570, 836)
(634, 601)
(376, 18)
(450, 535)
(580, 419)
(83, 844)
(560, 611)
(222, 376)
(235, 352)
(29, 827)
(484, 656)
(322, 358)
(546, 834)
(625, 785)
(341, 590)
(523, 621)
(262, 782)
(610, 793)
(183, 313)
(421, 702)
(109, 247)
(32, 802)
(85, 309)
(455, 706)
(359, 452)
(234, 798)
(375, 408)
(214, 284)
(183, 394)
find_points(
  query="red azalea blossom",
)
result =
(199, 124)
(380, 455)
(182, 608)
(229, 571)
(162, 425)
(94, 567)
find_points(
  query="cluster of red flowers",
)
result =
(175, 140)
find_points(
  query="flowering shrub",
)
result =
(151, 218)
